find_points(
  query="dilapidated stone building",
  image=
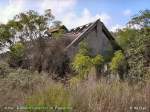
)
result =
(97, 37)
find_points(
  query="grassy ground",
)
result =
(39, 93)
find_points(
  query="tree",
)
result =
(142, 19)
(26, 26)
(126, 36)
(33, 25)
(5, 35)
(138, 58)
(30, 29)
(57, 24)
(138, 51)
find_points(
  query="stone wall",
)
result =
(97, 42)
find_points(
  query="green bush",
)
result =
(139, 58)
(82, 64)
(126, 36)
(97, 61)
(117, 61)
(118, 65)
(83, 48)
(17, 52)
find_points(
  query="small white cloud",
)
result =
(64, 11)
(13, 8)
(58, 7)
(127, 12)
(71, 19)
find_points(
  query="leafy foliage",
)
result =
(17, 50)
(125, 36)
(118, 65)
(138, 58)
(17, 53)
(97, 61)
(117, 61)
(82, 64)
(5, 35)
(137, 51)
(53, 58)
(136, 46)
(142, 19)
(26, 26)
(57, 24)
(83, 48)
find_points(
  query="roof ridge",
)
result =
(73, 29)
(78, 37)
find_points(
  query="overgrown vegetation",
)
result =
(37, 93)
(118, 64)
(17, 55)
(136, 46)
(26, 78)
(83, 62)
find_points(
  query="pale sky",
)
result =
(114, 13)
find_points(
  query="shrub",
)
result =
(82, 65)
(138, 57)
(83, 48)
(17, 52)
(51, 59)
(118, 64)
(117, 61)
(83, 62)
(98, 60)
(126, 36)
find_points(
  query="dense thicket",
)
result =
(136, 44)
(30, 44)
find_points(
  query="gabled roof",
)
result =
(77, 34)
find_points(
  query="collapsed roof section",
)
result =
(77, 34)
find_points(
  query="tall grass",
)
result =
(26, 88)
(110, 97)
(50, 99)
(100, 96)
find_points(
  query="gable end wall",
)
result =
(98, 42)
